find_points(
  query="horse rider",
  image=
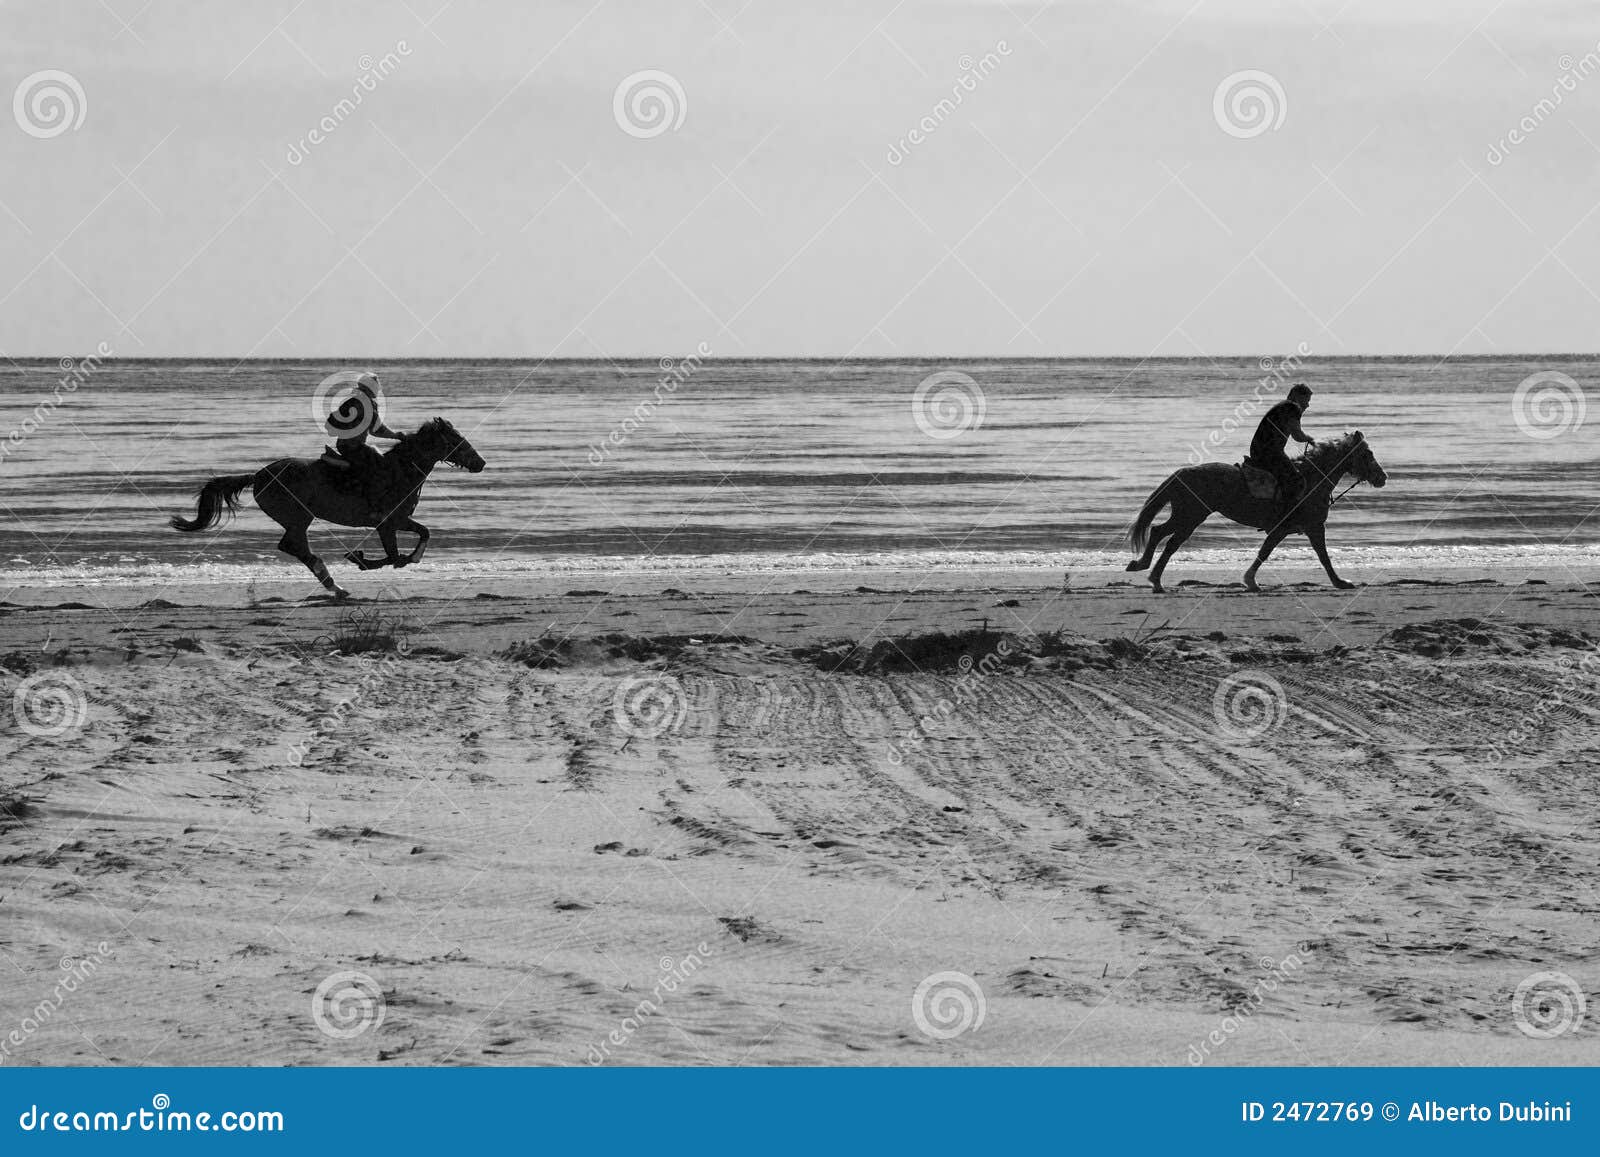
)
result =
(1268, 447)
(352, 422)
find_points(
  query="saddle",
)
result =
(1261, 483)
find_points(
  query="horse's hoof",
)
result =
(1346, 586)
(340, 593)
(1136, 565)
(1158, 588)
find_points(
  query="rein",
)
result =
(1343, 492)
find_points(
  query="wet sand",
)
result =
(1320, 826)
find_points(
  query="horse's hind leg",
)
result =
(1156, 535)
(295, 543)
(1179, 534)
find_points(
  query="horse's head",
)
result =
(1359, 461)
(442, 442)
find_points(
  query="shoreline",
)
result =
(440, 575)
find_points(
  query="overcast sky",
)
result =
(1084, 198)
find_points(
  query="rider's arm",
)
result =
(1296, 432)
(379, 430)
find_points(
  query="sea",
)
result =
(794, 464)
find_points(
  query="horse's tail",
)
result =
(216, 497)
(1139, 532)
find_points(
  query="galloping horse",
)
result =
(1197, 492)
(295, 492)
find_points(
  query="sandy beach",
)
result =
(742, 823)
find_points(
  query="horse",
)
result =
(1197, 492)
(295, 492)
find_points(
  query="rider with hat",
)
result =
(355, 419)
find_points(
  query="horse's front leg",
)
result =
(391, 551)
(416, 528)
(1274, 536)
(1319, 543)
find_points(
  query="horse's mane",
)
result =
(430, 426)
(1331, 451)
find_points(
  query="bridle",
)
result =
(1346, 490)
